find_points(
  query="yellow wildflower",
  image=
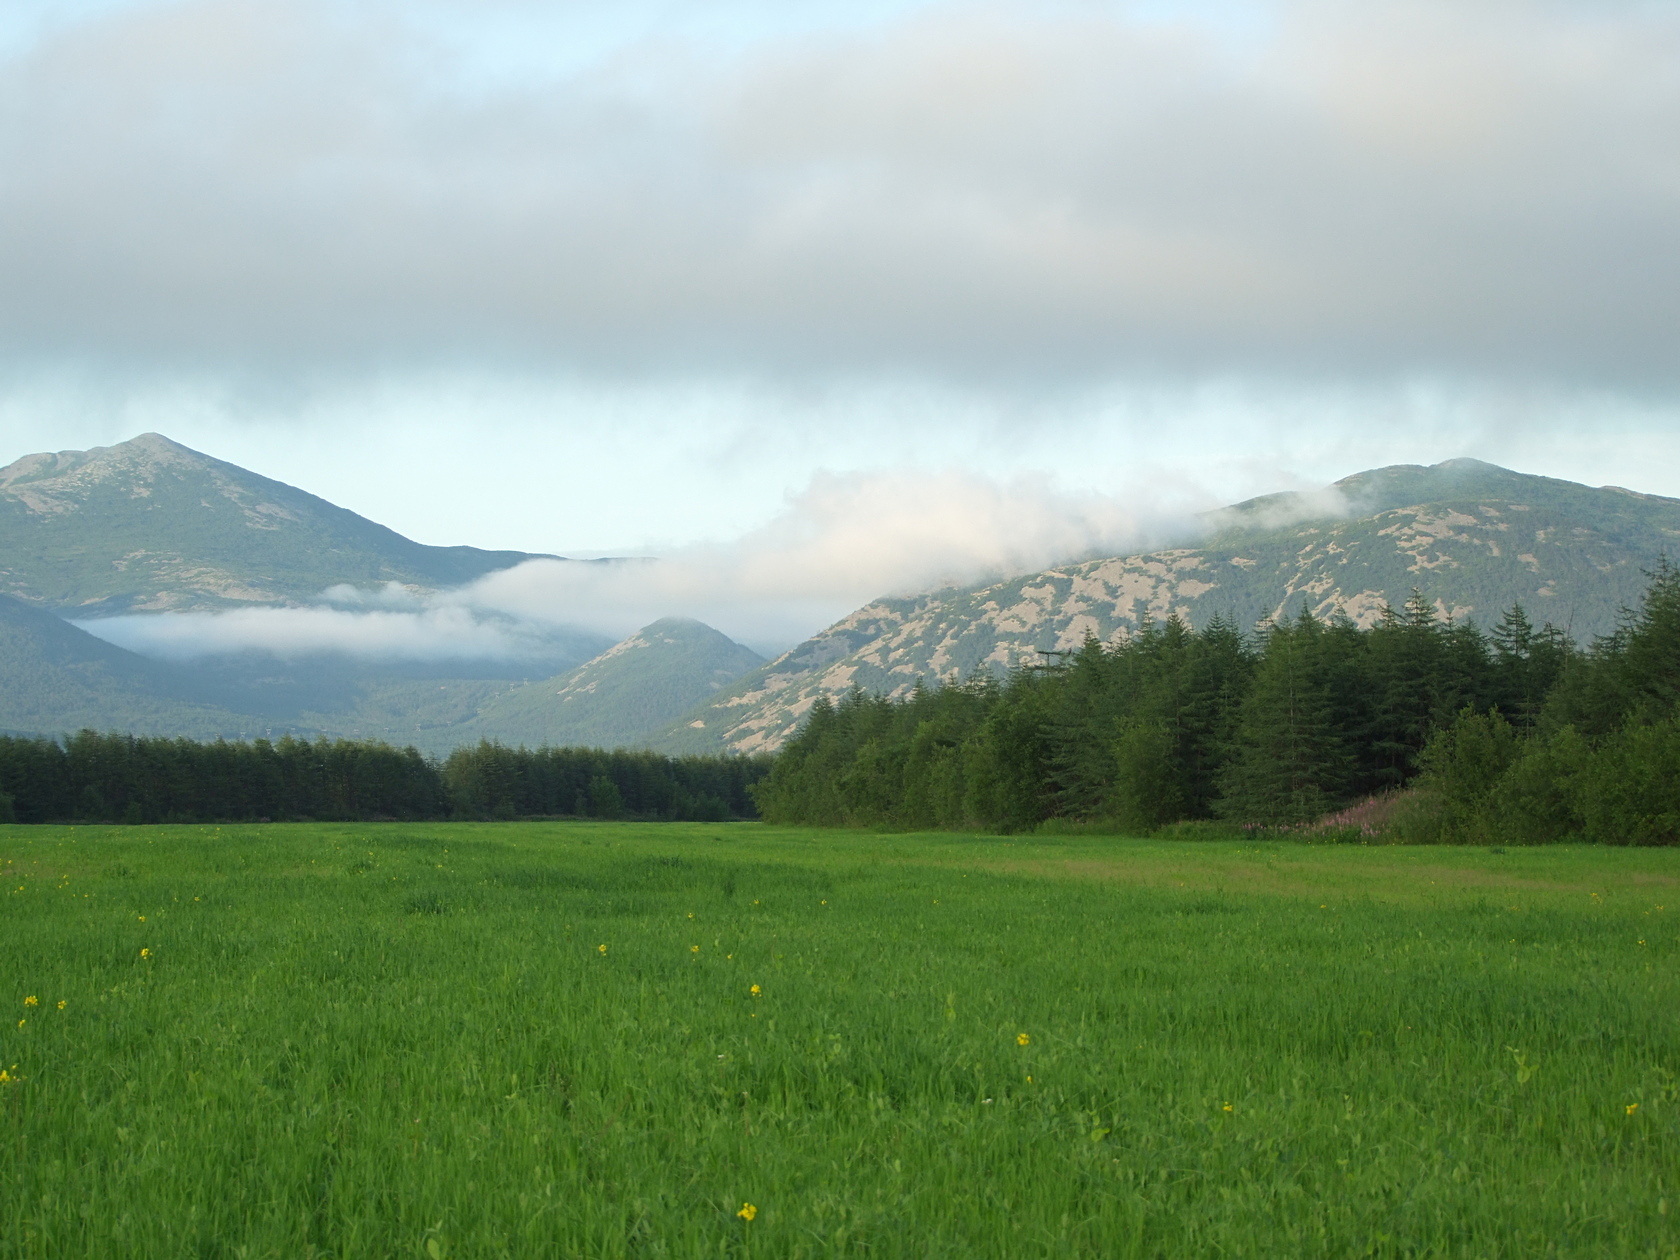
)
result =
(1227, 1107)
(600, 949)
(747, 1212)
(1632, 1107)
(1021, 1039)
(755, 990)
(145, 953)
(31, 1000)
(694, 949)
(61, 1004)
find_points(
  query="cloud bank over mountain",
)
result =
(844, 541)
(1054, 192)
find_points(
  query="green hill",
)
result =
(626, 695)
(1474, 538)
(149, 525)
(55, 678)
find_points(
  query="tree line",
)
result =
(1461, 729)
(94, 777)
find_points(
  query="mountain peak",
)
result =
(152, 525)
(149, 452)
(156, 446)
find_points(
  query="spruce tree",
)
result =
(1291, 764)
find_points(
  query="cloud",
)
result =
(969, 191)
(432, 632)
(843, 541)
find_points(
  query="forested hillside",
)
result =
(1473, 538)
(56, 677)
(621, 697)
(1176, 724)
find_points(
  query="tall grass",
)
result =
(545, 1040)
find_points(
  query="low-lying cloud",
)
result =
(843, 541)
(1062, 191)
(429, 631)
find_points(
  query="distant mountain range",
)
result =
(1473, 537)
(151, 526)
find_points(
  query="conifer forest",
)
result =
(1444, 731)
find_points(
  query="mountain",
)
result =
(1473, 537)
(430, 704)
(149, 525)
(55, 678)
(630, 692)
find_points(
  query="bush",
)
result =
(1537, 800)
(1461, 765)
(1629, 792)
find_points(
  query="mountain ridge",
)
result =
(1572, 554)
(152, 525)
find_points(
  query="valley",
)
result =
(92, 540)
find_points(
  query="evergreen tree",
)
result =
(1290, 763)
(1527, 663)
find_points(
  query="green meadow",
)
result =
(576, 1039)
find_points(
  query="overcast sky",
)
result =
(651, 276)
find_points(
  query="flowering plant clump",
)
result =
(747, 1212)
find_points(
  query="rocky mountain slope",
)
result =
(1474, 538)
(149, 525)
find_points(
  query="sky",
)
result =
(857, 297)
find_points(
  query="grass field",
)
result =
(606, 1039)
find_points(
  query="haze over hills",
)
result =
(149, 528)
(162, 535)
(149, 525)
(55, 678)
(1474, 538)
